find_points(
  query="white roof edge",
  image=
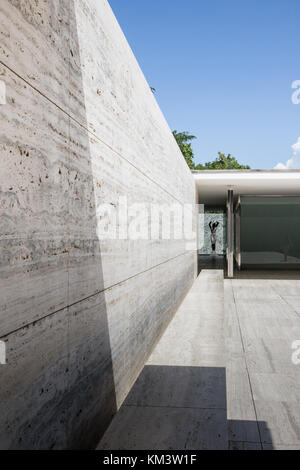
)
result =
(243, 175)
(197, 172)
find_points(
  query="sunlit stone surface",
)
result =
(79, 315)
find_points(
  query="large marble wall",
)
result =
(79, 316)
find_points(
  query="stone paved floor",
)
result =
(221, 376)
(263, 385)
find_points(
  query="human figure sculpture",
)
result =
(213, 234)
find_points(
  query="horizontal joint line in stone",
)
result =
(92, 295)
(88, 131)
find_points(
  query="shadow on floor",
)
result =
(180, 408)
(211, 262)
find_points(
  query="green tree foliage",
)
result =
(222, 162)
(183, 140)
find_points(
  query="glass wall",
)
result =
(270, 232)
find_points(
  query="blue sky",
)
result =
(223, 70)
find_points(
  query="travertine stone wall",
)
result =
(79, 315)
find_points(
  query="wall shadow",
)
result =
(58, 385)
(90, 398)
(181, 408)
(211, 262)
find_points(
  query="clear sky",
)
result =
(223, 71)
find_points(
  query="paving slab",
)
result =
(221, 376)
(276, 387)
(268, 326)
(279, 422)
(179, 399)
(241, 445)
(293, 301)
(165, 428)
(271, 356)
(194, 387)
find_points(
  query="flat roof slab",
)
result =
(213, 185)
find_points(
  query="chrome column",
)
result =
(230, 226)
(237, 233)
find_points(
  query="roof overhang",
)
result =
(213, 185)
